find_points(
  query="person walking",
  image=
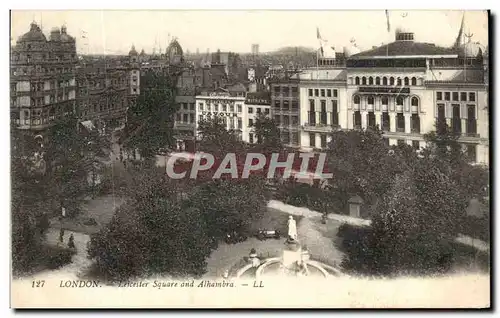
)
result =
(71, 241)
(61, 235)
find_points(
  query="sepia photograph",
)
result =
(250, 159)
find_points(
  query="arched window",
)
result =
(399, 81)
(414, 81)
(392, 81)
(370, 80)
(407, 81)
(399, 100)
(414, 101)
(363, 80)
(384, 80)
(370, 100)
(356, 99)
(385, 100)
(377, 80)
(356, 81)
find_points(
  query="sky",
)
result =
(114, 32)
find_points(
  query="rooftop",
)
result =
(406, 48)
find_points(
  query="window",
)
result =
(386, 120)
(471, 120)
(322, 93)
(286, 120)
(250, 110)
(266, 111)
(415, 144)
(231, 108)
(456, 122)
(185, 118)
(472, 97)
(310, 92)
(370, 80)
(258, 110)
(239, 108)
(415, 123)
(407, 81)
(316, 92)
(240, 124)
(224, 108)
(323, 140)
(286, 105)
(335, 93)
(400, 122)
(371, 100)
(447, 96)
(191, 106)
(371, 119)
(277, 89)
(463, 97)
(312, 139)
(414, 101)
(295, 90)
(295, 120)
(250, 122)
(391, 81)
(414, 81)
(286, 90)
(357, 119)
(455, 96)
(441, 112)
(356, 80)
(311, 105)
(277, 104)
(329, 92)
(399, 81)
(185, 106)
(439, 96)
(399, 100)
(191, 118)
(335, 113)
(363, 80)
(377, 80)
(295, 104)
(356, 99)
(385, 100)
(250, 138)
(401, 142)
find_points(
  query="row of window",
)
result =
(222, 108)
(185, 118)
(322, 92)
(286, 120)
(286, 90)
(456, 95)
(286, 104)
(391, 81)
(334, 106)
(385, 100)
(29, 58)
(232, 124)
(456, 119)
(386, 122)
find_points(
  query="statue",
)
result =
(292, 229)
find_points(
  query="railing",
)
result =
(400, 129)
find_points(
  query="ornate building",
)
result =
(106, 88)
(42, 81)
(403, 87)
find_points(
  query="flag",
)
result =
(388, 22)
(318, 36)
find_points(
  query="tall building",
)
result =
(255, 49)
(42, 81)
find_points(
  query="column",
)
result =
(364, 118)
(464, 126)
(407, 123)
(392, 118)
(378, 119)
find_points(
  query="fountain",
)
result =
(295, 261)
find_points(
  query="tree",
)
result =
(267, 132)
(150, 120)
(154, 232)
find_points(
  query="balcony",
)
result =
(317, 127)
(384, 90)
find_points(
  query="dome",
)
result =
(34, 34)
(471, 49)
(174, 49)
(55, 34)
(64, 36)
(132, 51)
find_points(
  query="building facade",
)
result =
(403, 87)
(42, 81)
(256, 104)
(285, 109)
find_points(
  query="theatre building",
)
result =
(404, 87)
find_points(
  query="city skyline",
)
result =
(114, 32)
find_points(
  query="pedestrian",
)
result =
(61, 235)
(71, 241)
